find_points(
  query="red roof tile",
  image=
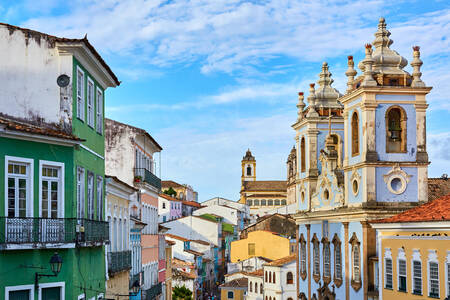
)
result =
(176, 237)
(282, 261)
(236, 283)
(435, 210)
(165, 196)
(265, 185)
(192, 203)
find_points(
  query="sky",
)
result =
(209, 79)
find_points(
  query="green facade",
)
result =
(83, 270)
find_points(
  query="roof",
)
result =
(52, 39)
(180, 262)
(165, 196)
(432, 211)
(137, 129)
(170, 243)
(170, 183)
(23, 126)
(176, 237)
(184, 274)
(236, 283)
(267, 196)
(201, 242)
(282, 261)
(438, 187)
(258, 273)
(192, 203)
(194, 252)
(248, 156)
(265, 185)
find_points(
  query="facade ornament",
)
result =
(326, 95)
(416, 64)
(311, 101)
(396, 180)
(351, 73)
(368, 63)
(300, 105)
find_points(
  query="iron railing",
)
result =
(148, 177)
(152, 292)
(119, 261)
(134, 278)
(52, 231)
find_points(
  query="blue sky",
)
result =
(210, 78)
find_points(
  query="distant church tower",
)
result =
(248, 164)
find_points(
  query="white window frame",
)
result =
(60, 165)
(81, 203)
(388, 255)
(338, 267)
(401, 256)
(19, 288)
(326, 261)
(80, 108)
(90, 103)
(99, 112)
(447, 273)
(30, 186)
(90, 195)
(432, 258)
(100, 197)
(416, 258)
(60, 284)
(81, 297)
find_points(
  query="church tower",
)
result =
(248, 165)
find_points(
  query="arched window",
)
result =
(289, 278)
(273, 277)
(249, 171)
(326, 261)
(302, 257)
(251, 287)
(316, 258)
(265, 277)
(261, 288)
(270, 277)
(395, 130)
(337, 261)
(356, 262)
(256, 287)
(355, 134)
(302, 155)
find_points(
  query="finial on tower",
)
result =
(300, 105)
(311, 101)
(368, 63)
(351, 73)
(416, 64)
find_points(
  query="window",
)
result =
(19, 186)
(80, 94)
(388, 272)
(337, 260)
(283, 202)
(273, 277)
(99, 111)
(356, 262)
(355, 134)
(326, 260)
(302, 155)
(19, 292)
(263, 202)
(316, 258)
(249, 171)
(395, 130)
(90, 195)
(270, 277)
(302, 257)
(270, 202)
(230, 295)
(433, 279)
(289, 278)
(80, 192)
(256, 202)
(448, 274)
(417, 277)
(265, 276)
(90, 102)
(251, 249)
(251, 286)
(256, 287)
(249, 202)
(260, 288)
(100, 198)
(277, 202)
(402, 275)
(164, 205)
(51, 189)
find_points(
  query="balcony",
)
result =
(23, 233)
(153, 292)
(119, 261)
(148, 177)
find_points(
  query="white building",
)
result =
(229, 214)
(280, 279)
(255, 290)
(248, 265)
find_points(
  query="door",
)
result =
(52, 229)
(19, 295)
(53, 293)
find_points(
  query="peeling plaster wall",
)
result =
(30, 66)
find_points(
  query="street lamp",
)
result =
(55, 265)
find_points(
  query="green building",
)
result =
(52, 167)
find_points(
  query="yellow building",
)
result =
(169, 269)
(414, 252)
(234, 289)
(260, 243)
(260, 195)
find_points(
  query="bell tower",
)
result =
(248, 165)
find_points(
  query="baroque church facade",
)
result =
(359, 156)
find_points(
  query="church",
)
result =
(359, 156)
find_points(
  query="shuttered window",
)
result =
(417, 277)
(434, 279)
(388, 273)
(402, 275)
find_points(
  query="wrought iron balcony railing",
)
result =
(148, 177)
(153, 292)
(39, 231)
(119, 261)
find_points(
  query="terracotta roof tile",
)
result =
(184, 274)
(435, 210)
(267, 196)
(438, 187)
(165, 196)
(176, 237)
(282, 261)
(267, 185)
(258, 273)
(22, 126)
(192, 203)
(237, 283)
(170, 183)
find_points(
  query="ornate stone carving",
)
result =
(396, 180)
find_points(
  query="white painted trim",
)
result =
(37, 138)
(446, 272)
(81, 297)
(89, 80)
(387, 255)
(423, 226)
(403, 237)
(416, 257)
(33, 246)
(83, 113)
(19, 288)
(97, 90)
(61, 196)
(432, 257)
(91, 151)
(30, 190)
(61, 284)
(401, 256)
